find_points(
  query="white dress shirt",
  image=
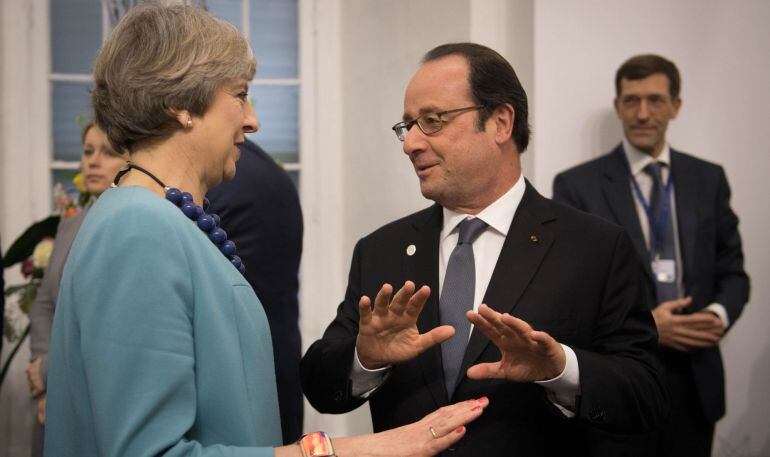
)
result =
(638, 160)
(563, 389)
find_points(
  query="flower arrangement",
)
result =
(33, 251)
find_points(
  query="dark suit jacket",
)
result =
(578, 282)
(708, 238)
(260, 212)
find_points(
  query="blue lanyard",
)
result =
(657, 227)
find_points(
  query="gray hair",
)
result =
(159, 59)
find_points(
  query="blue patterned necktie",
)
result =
(662, 246)
(457, 299)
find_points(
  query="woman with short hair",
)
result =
(160, 346)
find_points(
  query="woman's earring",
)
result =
(189, 123)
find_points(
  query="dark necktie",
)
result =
(457, 299)
(663, 245)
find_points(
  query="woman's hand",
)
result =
(36, 386)
(41, 410)
(426, 437)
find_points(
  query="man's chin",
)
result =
(646, 145)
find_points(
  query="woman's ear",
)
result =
(184, 118)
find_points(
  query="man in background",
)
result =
(260, 212)
(677, 210)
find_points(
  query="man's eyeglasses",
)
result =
(428, 123)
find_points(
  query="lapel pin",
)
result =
(410, 250)
(533, 238)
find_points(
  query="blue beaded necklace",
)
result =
(208, 223)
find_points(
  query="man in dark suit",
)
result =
(573, 372)
(677, 210)
(260, 212)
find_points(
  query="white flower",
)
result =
(15, 321)
(42, 253)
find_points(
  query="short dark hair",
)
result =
(644, 65)
(493, 83)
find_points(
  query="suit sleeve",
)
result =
(325, 368)
(42, 309)
(620, 375)
(732, 283)
(563, 192)
(138, 345)
(41, 317)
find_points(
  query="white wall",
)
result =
(721, 51)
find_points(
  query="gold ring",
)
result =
(433, 432)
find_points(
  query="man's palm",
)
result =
(387, 333)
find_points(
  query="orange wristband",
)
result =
(316, 444)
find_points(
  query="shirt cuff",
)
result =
(365, 381)
(721, 312)
(563, 390)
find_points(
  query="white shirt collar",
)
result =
(498, 215)
(639, 159)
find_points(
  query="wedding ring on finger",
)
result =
(433, 432)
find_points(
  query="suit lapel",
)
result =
(686, 196)
(422, 268)
(617, 191)
(525, 247)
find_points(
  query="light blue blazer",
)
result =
(160, 346)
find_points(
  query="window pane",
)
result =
(71, 101)
(228, 10)
(277, 108)
(275, 37)
(76, 34)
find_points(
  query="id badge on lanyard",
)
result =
(664, 270)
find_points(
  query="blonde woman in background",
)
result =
(99, 164)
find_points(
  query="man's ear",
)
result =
(677, 105)
(502, 118)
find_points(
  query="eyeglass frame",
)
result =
(407, 125)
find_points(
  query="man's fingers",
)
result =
(481, 323)
(495, 319)
(365, 310)
(402, 297)
(519, 326)
(692, 343)
(485, 371)
(436, 336)
(676, 304)
(417, 301)
(382, 300)
(696, 335)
